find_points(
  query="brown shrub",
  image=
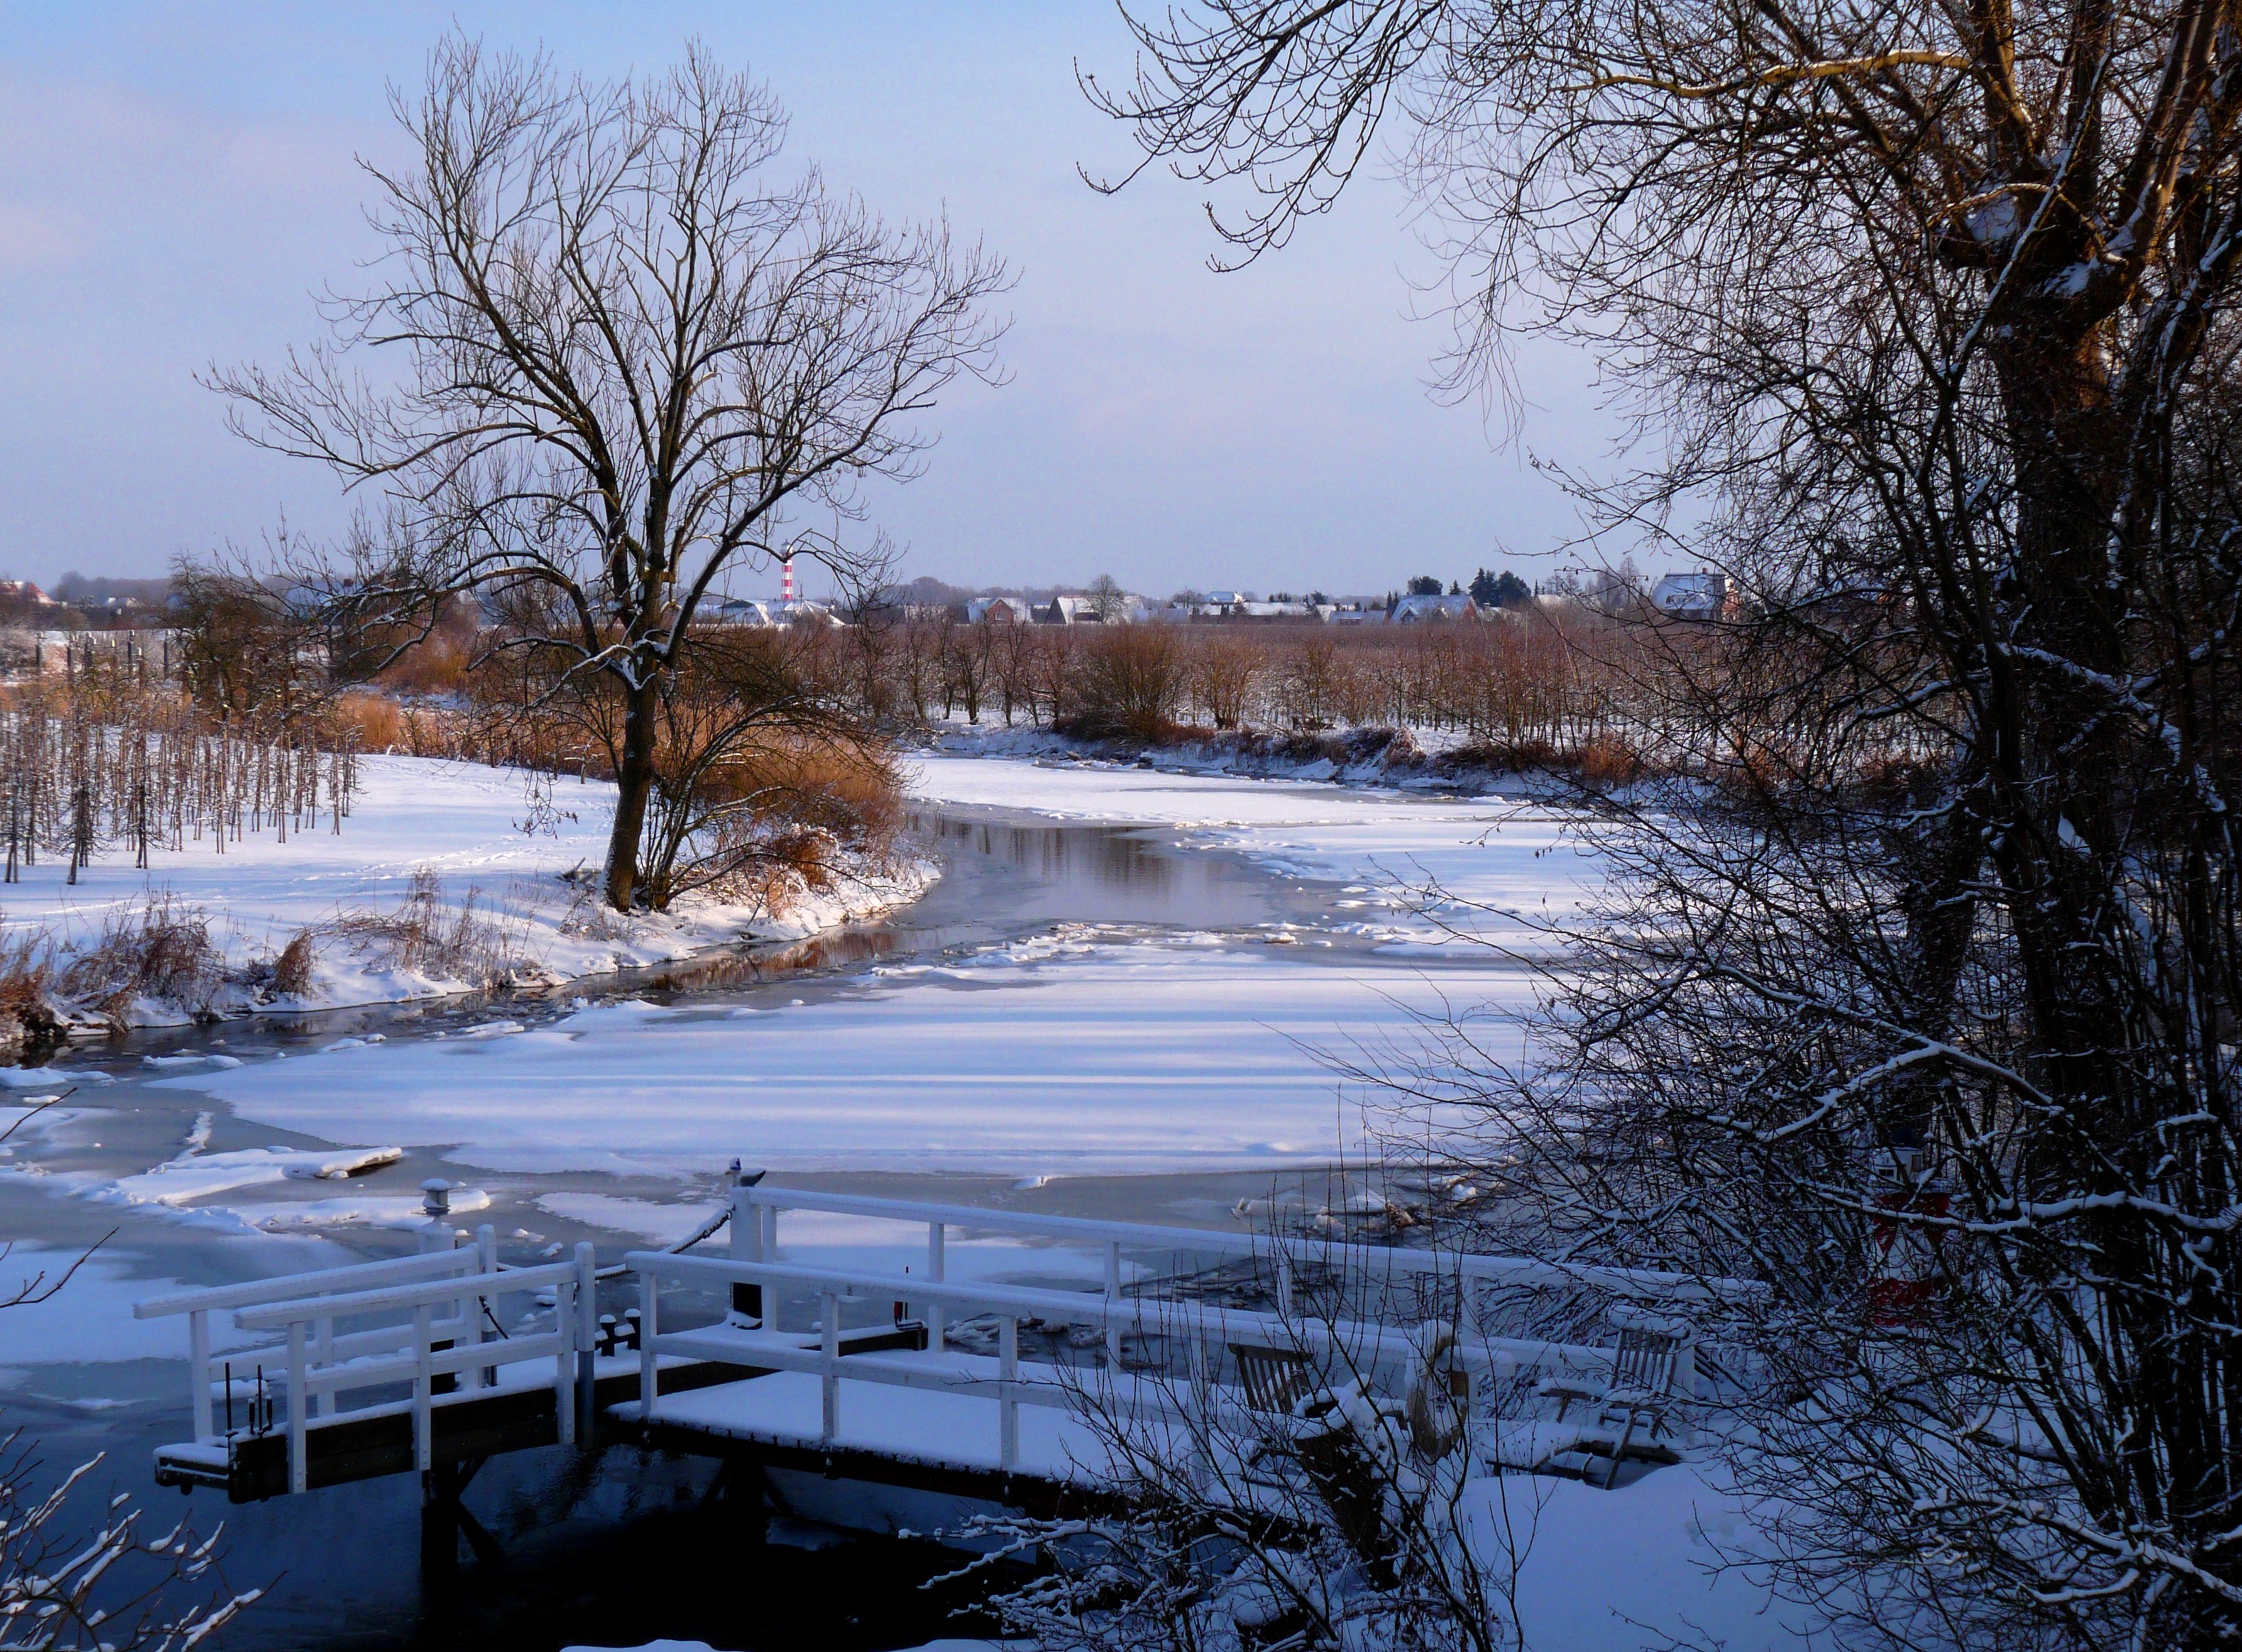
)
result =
(846, 787)
(27, 966)
(156, 952)
(1608, 761)
(376, 721)
(291, 971)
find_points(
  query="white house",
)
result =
(1416, 610)
(1699, 595)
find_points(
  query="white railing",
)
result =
(199, 1305)
(1359, 1345)
(445, 1297)
(755, 1238)
(435, 1305)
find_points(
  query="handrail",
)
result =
(1619, 1282)
(219, 1297)
(1107, 1310)
(1084, 1308)
(316, 1365)
(278, 1315)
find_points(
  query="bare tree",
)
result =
(1128, 679)
(1227, 668)
(1931, 310)
(628, 355)
(1105, 600)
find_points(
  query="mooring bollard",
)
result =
(436, 1205)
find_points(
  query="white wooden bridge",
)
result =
(874, 1396)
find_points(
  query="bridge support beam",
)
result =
(445, 1519)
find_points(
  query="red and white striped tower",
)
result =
(786, 581)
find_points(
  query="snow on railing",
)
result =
(199, 1305)
(1209, 1329)
(755, 1238)
(448, 1295)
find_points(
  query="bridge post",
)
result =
(299, 1466)
(936, 1234)
(649, 1381)
(587, 1335)
(1008, 1404)
(829, 1389)
(473, 1308)
(747, 1246)
(423, 1393)
(775, 1303)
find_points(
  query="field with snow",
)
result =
(469, 828)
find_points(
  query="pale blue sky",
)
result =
(180, 177)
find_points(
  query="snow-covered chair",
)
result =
(1638, 1400)
(1282, 1384)
(1275, 1380)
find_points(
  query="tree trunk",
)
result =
(634, 783)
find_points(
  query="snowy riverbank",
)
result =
(1109, 1046)
(443, 880)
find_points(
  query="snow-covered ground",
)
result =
(1087, 1046)
(1110, 1047)
(465, 825)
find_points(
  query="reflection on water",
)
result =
(1060, 854)
(841, 950)
(1095, 873)
(1001, 879)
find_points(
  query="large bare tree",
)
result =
(614, 353)
(1927, 313)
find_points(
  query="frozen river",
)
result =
(1124, 996)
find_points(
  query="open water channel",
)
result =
(620, 1548)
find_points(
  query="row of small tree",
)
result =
(78, 779)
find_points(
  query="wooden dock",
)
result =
(400, 1367)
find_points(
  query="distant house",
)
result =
(736, 610)
(1411, 611)
(1352, 616)
(24, 594)
(1699, 595)
(1082, 611)
(982, 610)
(1274, 612)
